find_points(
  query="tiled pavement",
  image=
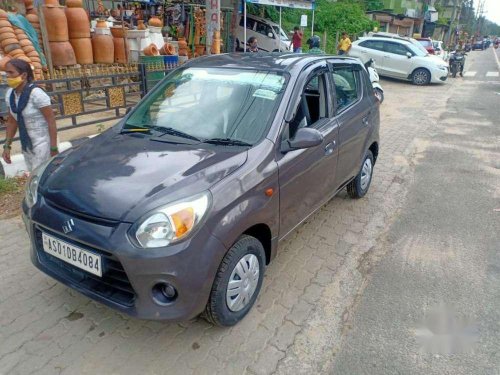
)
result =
(297, 323)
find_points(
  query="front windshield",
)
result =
(279, 31)
(213, 103)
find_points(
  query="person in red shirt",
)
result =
(297, 40)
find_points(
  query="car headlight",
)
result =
(31, 188)
(173, 222)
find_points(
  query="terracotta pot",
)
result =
(25, 43)
(8, 42)
(78, 23)
(155, 21)
(101, 24)
(28, 4)
(8, 35)
(4, 62)
(140, 25)
(25, 58)
(28, 49)
(5, 30)
(11, 47)
(36, 60)
(182, 43)
(4, 23)
(19, 31)
(83, 50)
(22, 37)
(104, 50)
(33, 18)
(120, 50)
(151, 50)
(74, 3)
(62, 54)
(199, 49)
(52, 3)
(3, 14)
(118, 31)
(16, 53)
(32, 54)
(167, 49)
(56, 23)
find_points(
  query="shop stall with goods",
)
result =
(54, 35)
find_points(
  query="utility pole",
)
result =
(452, 21)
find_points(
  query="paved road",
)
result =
(432, 305)
(323, 291)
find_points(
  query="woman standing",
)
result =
(31, 113)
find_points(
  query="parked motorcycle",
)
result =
(378, 91)
(457, 63)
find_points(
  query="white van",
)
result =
(266, 32)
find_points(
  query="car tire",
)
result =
(358, 187)
(421, 77)
(245, 261)
(379, 94)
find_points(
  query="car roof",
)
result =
(265, 61)
(257, 18)
(384, 39)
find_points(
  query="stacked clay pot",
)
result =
(32, 17)
(79, 32)
(102, 44)
(57, 30)
(216, 42)
(9, 42)
(151, 50)
(183, 51)
(30, 52)
(119, 43)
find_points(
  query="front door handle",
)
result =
(365, 120)
(329, 148)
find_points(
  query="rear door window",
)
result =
(373, 44)
(395, 48)
(250, 23)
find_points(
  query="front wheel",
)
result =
(358, 187)
(237, 283)
(379, 94)
(421, 77)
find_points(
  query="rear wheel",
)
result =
(237, 283)
(358, 187)
(453, 70)
(421, 77)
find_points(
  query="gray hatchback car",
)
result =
(177, 210)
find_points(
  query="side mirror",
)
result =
(270, 35)
(304, 138)
(409, 55)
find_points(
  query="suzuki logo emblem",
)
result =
(68, 226)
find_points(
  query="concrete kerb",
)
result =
(18, 165)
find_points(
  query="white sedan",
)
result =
(401, 59)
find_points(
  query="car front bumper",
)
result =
(131, 275)
(439, 75)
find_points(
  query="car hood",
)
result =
(122, 176)
(437, 59)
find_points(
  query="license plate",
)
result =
(73, 255)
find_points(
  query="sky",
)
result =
(492, 9)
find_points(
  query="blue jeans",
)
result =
(297, 50)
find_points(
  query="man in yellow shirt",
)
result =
(344, 44)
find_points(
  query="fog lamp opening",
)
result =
(164, 293)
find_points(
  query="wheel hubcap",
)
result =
(366, 173)
(421, 77)
(242, 283)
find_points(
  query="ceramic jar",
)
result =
(183, 51)
(120, 44)
(155, 21)
(151, 50)
(140, 25)
(62, 53)
(4, 62)
(78, 23)
(83, 50)
(56, 23)
(104, 49)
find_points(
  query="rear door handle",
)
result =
(365, 120)
(329, 148)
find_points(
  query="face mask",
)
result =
(14, 82)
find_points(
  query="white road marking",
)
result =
(470, 74)
(492, 74)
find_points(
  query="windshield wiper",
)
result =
(227, 142)
(177, 133)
